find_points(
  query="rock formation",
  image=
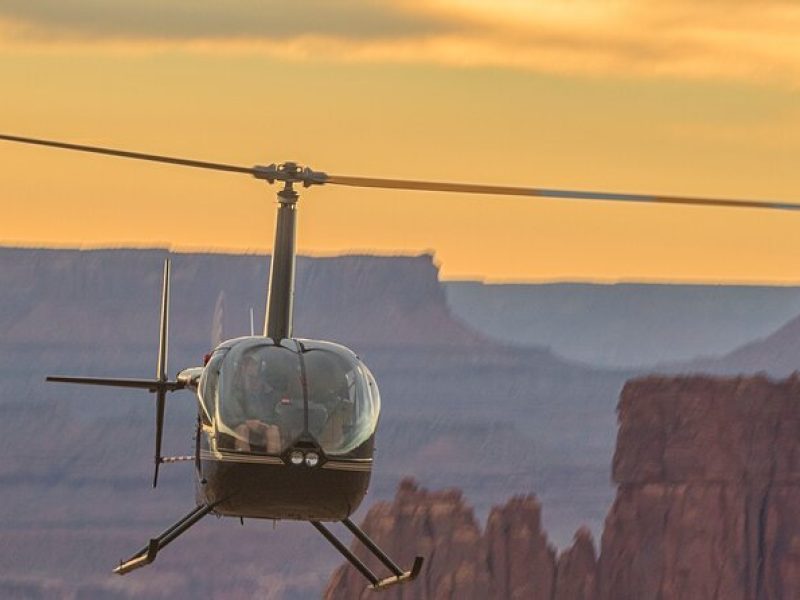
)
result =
(520, 561)
(708, 475)
(576, 569)
(510, 559)
(709, 482)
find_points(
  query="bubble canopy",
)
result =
(262, 397)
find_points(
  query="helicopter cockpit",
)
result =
(262, 397)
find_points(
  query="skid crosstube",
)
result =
(148, 554)
(398, 576)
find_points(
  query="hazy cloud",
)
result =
(634, 38)
(214, 19)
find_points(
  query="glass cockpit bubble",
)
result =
(263, 397)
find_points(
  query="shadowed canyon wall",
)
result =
(708, 476)
(459, 410)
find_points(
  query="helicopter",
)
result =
(286, 426)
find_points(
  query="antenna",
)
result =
(252, 324)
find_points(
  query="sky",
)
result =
(616, 95)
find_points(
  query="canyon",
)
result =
(461, 409)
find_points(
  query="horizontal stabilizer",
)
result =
(152, 385)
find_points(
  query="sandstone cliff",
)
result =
(709, 487)
(708, 475)
(71, 296)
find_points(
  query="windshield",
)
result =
(265, 396)
(260, 406)
(342, 396)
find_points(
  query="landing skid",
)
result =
(399, 576)
(148, 554)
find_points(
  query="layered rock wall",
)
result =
(708, 475)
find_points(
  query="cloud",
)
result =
(212, 20)
(730, 39)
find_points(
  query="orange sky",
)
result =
(622, 95)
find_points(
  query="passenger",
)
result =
(328, 393)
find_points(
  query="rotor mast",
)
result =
(280, 293)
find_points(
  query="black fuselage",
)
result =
(269, 487)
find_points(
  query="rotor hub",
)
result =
(289, 173)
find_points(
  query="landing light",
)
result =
(312, 459)
(296, 457)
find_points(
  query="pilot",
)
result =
(255, 400)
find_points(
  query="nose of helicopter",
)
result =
(308, 489)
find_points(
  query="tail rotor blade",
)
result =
(161, 397)
(160, 386)
(161, 369)
(151, 385)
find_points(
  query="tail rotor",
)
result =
(161, 369)
(158, 386)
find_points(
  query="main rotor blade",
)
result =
(470, 188)
(200, 164)
(273, 173)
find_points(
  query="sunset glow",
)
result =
(629, 96)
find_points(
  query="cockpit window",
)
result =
(209, 384)
(267, 396)
(261, 407)
(343, 401)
